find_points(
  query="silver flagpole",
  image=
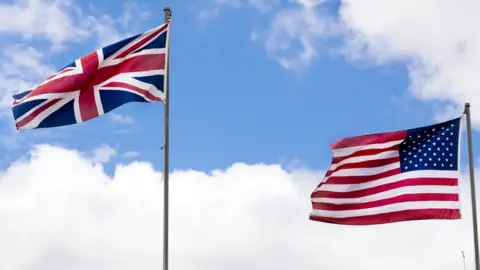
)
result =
(472, 185)
(166, 146)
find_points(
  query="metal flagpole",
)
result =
(464, 264)
(166, 146)
(472, 185)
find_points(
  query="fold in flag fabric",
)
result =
(131, 70)
(391, 177)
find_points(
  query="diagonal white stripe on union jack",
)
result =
(131, 70)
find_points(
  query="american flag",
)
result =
(391, 177)
(132, 69)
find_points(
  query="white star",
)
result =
(443, 165)
(451, 133)
(406, 167)
(446, 138)
(429, 149)
(421, 159)
(420, 150)
(425, 154)
(410, 161)
(430, 159)
(451, 154)
(416, 165)
(415, 156)
(451, 143)
(434, 164)
(434, 143)
(426, 164)
(433, 129)
(451, 165)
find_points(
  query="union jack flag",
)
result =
(131, 70)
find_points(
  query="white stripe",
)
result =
(41, 116)
(111, 61)
(365, 171)
(387, 180)
(390, 194)
(76, 109)
(387, 209)
(383, 155)
(340, 152)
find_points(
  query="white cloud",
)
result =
(102, 154)
(131, 154)
(295, 33)
(21, 67)
(49, 19)
(438, 40)
(60, 211)
(122, 119)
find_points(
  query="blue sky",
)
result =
(232, 101)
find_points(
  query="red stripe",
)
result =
(344, 180)
(366, 152)
(388, 201)
(406, 215)
(365, 164)
(31, 116)
(369, 139)
(141, 43)
(134, 89)
(385, 187)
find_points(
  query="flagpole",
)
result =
(166, 146)
(472, 185)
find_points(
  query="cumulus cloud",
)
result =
(59, 210)
(436, 40)
(102, 154)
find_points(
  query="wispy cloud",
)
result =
(131, 154)
(121, 119)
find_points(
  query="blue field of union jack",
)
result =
(131, 70)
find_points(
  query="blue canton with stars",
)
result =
(431, 148)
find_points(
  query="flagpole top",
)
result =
(467, 105)
(168, 13)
